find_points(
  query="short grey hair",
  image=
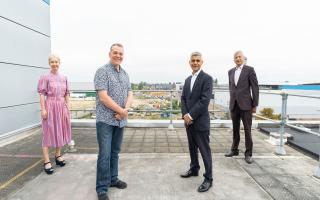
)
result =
(195, 53)
(116, 44)
(237, 52)
(52, 56)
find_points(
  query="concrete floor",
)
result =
(149, 176)
(151, 162)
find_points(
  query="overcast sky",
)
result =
(279, 37)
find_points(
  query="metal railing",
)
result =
(170, 111)
(280, 149)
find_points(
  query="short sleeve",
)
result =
(101, 80)
(129, 84)
(43, 85)
(67, 93)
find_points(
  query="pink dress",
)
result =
(57, 127)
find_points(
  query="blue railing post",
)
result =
(171, 123)
(280, 148)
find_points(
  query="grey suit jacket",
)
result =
(246, 93)
(196, 102)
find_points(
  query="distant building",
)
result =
(311, 84)
(24, 50)
(179, 86)
(82, 89)
(81, 86)
(161, 86)
(300, 87)
(269, 86)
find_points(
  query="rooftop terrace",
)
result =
(150, 162)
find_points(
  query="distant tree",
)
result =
(134, 86)
(141, 85)
(175, 105)
(268, 112)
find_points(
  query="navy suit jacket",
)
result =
(246, 85)
(196, 102)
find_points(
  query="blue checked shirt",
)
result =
(117, 85)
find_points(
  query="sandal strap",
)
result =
(58, 156)
(44, 164)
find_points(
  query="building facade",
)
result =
(25, 46)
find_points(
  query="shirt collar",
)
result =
(241, 66)
(197, 73)
(55, 74)
(114, 67)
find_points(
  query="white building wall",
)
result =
(24, 50)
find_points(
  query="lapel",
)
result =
(242, 74)
(188, 83)
(232, 76)
(196, 82)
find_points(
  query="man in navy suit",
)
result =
(195, 99)
(244, 99)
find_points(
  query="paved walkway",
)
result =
(149, 176)
(151, 162)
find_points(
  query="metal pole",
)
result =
(213, 101)
(171, 124)
(280, 148)
(317, 172)
(71, 146)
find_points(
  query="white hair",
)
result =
(238, 52)
(52, 56)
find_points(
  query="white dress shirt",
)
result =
(193, 79)
(237, 74)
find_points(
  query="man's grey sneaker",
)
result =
(119, 184)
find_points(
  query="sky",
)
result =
(280, 38)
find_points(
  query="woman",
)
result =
(54, 100)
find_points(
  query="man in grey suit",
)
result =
(244, 99)
(195, 99)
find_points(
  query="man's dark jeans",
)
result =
(109, 140)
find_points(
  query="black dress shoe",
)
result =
(205, 186)
(189, 173)
(119, 184)
(103, 196)
(231, 153)
(248, 159)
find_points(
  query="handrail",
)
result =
(283, 122)
(287, 124)
(262, 91)
(145, 110)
